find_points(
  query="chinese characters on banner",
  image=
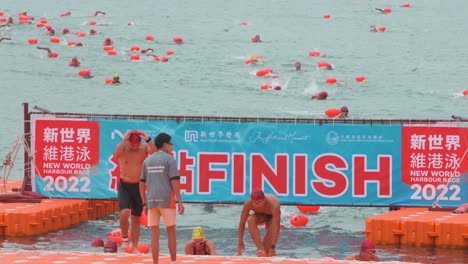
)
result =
(67, 154)
(433, 161)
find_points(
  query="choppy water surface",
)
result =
(416, 69)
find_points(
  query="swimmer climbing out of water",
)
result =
(461, 209)
(2, 39)
(366, 253)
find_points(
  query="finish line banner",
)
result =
(301, 163)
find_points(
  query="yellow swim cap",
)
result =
(198, 233)
(116, 75)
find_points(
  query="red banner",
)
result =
(433, 155)
(66, 148)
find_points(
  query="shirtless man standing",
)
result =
(131, 153)
(266, 209)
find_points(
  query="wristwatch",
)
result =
(148, 140)
(273, 246)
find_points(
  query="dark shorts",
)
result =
(267, 217)
(129, 197)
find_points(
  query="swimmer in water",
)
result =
(74, 62)
(320, 96)
(381, 10)
(8, 23)
(66, 31)
(298, 66)
(2, 39)
(99, 13)
(256, 39)
(373, 28)
(146, 50)
(50, 54)
(343, 112)
(65, 14)
(108, 42)
(116, 79)
(92, 32)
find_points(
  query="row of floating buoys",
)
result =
(134, 48)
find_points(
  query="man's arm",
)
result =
(121, 146)
(211, 248)
(176, 187)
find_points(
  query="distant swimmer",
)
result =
(373, 28)
(8, 23)
(2, 39)
(50, 54)
(146, 50)
(66, 31)
(99, 13)
(74, 62)
(256, 39)
(298, 66)
(65, 14)
(116, 79)
(108, 42)
(319, 96)
(343, 112)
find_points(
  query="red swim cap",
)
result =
(257, 195)
(97, 242)
(134, 137)
(366, 245)
(110, 247)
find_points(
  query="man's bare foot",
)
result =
(261, 253)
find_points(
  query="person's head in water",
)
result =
(74, 60)
(298, 66)
(320, 95)
(116, 78)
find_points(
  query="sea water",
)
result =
(416, 69)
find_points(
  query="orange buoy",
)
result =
(54, 55)
(308, 208)
(360, 79)
(178, 40)
(170, 52)
(1, 13)
(314, 53)
(71, 43)
(263, 72)
(111, 52)
(163, 59)
(92, 23)
(84, 72)
(265, 86)
(109, 81)
(244, 23)
(134, 48)
(39, 25)
(135, 57)
(387, 10)
(54, 40)
(382, 29)
(107, 47)
(3, 19)
(43, 21)
(331, 80)
(299, 220)
(80, 34)
(327, 16)
(323, 64)
(465, 92)
(116, 235)
(405, 5)
(129, 249)
(332, 112)
(149, 37)
(143, 248)
(32, 41)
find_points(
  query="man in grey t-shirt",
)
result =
(161, 178)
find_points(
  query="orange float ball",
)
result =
(54, 40)
(116, 235)
(465, 92)
(143, 248)
(360, 79)
(111, 52)
(109, 81)
(406, 5)
(327, 16)
(32, 41)
(129, 249)
(331, 80)
(299, 220)
(149, 37)
(170, 52)
(308, 208)
(332, 112)
(135, 57)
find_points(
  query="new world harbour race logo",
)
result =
(332, 138)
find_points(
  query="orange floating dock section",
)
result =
(9, 256)
(419, 227)
(24, 218)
